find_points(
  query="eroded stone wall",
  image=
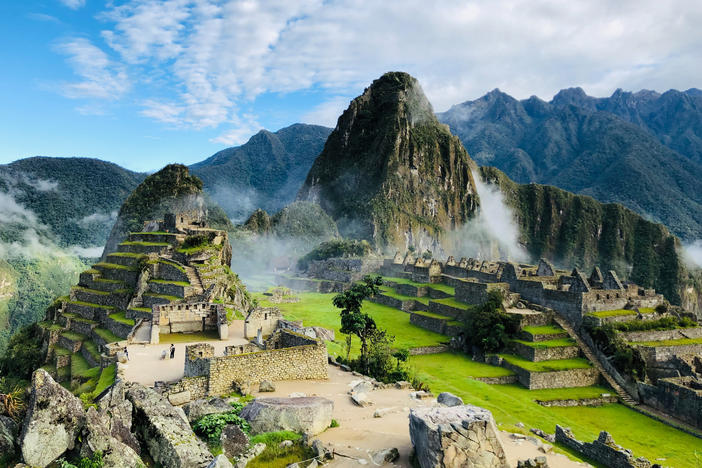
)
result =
(602, 450)
(675, 396)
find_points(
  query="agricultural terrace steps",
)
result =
(592, 357)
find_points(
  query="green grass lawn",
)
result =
(90, 304)
(431, 315)
(81, 368)
(177, 283)
(513, 403)
(164, 296)
(92, 348)
(61, 351)
(547, 366)
(210, 335)
(106, 335)
(107, 378)
(446, 362)
(388, 291)
(73, 336)
(146, 244)
(612, 313)
(559, 343)
(439, 287)
(122, 318)
(316, 309)
(450, 301)
(544, 330)
(677, 342)
(174, 265)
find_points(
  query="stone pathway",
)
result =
(146, 367)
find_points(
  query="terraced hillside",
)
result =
(424, 317)
(112, 303)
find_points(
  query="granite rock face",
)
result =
(119, 409)
(449, 399)
(233, 440)
(98, 438)
(310, 415)
(457, 436)
(165, 431)
(54, 419)
(8, 432)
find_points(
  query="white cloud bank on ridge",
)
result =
(205, 59)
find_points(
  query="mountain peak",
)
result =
(385, 169)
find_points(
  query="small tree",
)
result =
(402, 355)
(353, 320)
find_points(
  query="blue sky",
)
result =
(143, 83)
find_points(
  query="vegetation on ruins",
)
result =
(23, 354)
(335, 248)
(210, 426)
(275, 456)
(488, 327)
(353, 320)
(664, 323)
(95, 461)
(626, 359)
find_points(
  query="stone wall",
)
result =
(343, 270)
(408, 289)
(447, 310)
(298, 363)
(470, 292)
(659, 354)
(676, 396)
(566, 303)
(537, 354)
(169, 289)
(241, 349)
(556, 379)
(196, 388)
(602, 450)
(188, 317)
(309, 284)
(422, 350)
(437, 325)
(118, 328)
(170, 271)
(406, 306)
(570, 403)
(263, 318)
(660, 335)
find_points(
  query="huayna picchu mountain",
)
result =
(390, 172)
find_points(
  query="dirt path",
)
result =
(146, 367)
(360, 434)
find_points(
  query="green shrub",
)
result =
(335, 248)
(86, 462)
(210, 426)
(626, 359)
(334, 423)
(488, 327)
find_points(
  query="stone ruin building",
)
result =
(173, 277)
(287, 353)
(673, 358)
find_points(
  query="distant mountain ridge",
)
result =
(639, 149)
(266, 172)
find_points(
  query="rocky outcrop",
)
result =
(165, 431)
(465, 436)
(97, 437)
(54, 419)
(119, 409)
(449, 399)
(199, 408)
(234, 441)
(8, 433)
(310, 415)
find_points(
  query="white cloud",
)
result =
(327, 112)
(205, 60)
(73, 4)
(239, 132)
(100, 77)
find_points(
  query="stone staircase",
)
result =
(592, 357)
(194, 280)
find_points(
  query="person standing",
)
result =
(126, 353)
(172, 350)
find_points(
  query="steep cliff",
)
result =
(390, 172)
(577, 230)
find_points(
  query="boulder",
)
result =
(324, 334)
(321, 451)
(250, 454)
(382, 457)
(538, 462)
(165, 431)
(266, 386)
(364, 386)
(380, 412)
(120, 411)
(199, 408)
(8, 433)
(310, 415)
(446, 437)
(233, 440)
(449, 399)
(421, 395)
(242, 388)
(361, 399)
(98, 438)
(54, 418)
(220, 461)
(403, 385)
(180, 398)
